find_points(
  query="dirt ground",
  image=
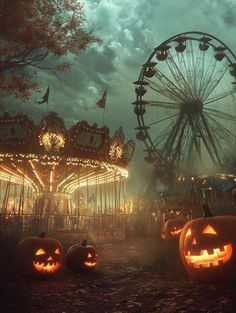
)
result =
(134, 276)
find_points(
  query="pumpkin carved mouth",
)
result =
(90, 264)
(176, 232)
(46, 267)
(212, 258)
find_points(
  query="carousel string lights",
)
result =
(48, 157)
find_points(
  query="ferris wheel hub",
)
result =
(192, 107)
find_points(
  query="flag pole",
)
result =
(103, 115)
(47, 99)
(102, 104)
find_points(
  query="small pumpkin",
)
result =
(173, 228)
(39, 256)
(208, 248)
(81, 257)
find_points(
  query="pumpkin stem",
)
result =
(42, 234)
(84, 243)
(206, 210)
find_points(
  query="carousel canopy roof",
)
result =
(48, 156)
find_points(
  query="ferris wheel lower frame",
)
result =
(185, 104)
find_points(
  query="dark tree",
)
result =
(37, 34)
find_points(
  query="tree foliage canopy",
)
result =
(37, 34)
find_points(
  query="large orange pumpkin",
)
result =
(81, 257)
(208, 248)
(38, 256)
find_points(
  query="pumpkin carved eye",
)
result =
(57, 251)
(209, 230)
(189, 233)
(40, 252)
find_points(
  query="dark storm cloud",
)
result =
(76, 78)
(224, 10)
(139, 25)
(229, 17)
(139, 46)
(147, 11)
(229, 13)
(90, 66)
(95, 62)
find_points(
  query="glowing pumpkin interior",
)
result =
(176, 231)
(207, 258)
(47, 263)
(91, 260)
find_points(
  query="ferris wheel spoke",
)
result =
(191, 143)
(190, 65)
(161, 138)
(179, 78)
(223, 131)
(212, 82)
(206, 69)
(210, 137)
(168, 93)
(172, 137)
(164, 104)
(220, 114)
(194, 129)
(219, 97)
(218, 134)
(167, 88)
(209, 72)
(214, 131)
(187, 149)
(200, 74)
(162, 120)
(169, 85)
(188, 157)
(163, 135)
(206, 143)
(179, 144)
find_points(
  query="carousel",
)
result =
(48, 170)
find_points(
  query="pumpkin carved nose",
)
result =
(194, 242)
(49, 259)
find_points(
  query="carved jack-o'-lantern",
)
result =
(173, 227)
(81, 257)
(39, 256)
(208, 248)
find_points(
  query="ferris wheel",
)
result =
(185, 102)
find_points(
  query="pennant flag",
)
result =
(102, 102)
(44, 98)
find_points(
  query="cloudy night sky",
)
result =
(129, 30)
